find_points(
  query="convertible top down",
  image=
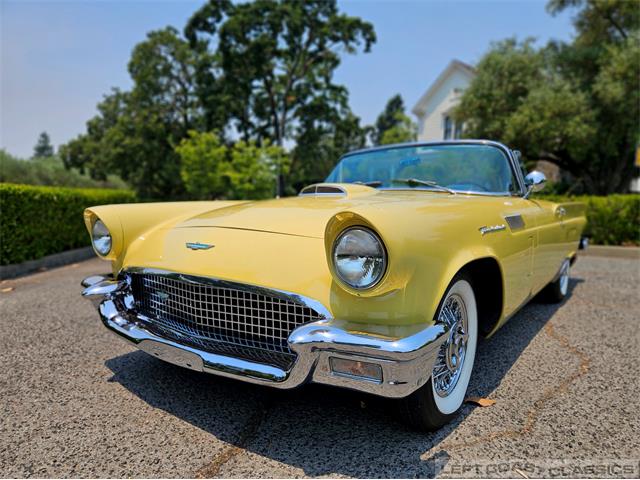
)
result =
(381, 279)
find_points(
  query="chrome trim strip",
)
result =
(406, 363)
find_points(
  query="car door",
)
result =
(521, 217)
(550, 249)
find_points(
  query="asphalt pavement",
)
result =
(76, 401)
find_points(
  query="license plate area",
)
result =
(171, 354)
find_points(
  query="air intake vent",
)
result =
(320, 189)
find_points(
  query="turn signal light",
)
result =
(353, 368)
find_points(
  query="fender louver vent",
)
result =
(323, 190)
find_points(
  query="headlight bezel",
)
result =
(97, 223)
(383, 248)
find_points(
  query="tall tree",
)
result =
(575, 104)
(276, 58)
(323, 136)
(43, 147)
(388, 118)
(135, 132)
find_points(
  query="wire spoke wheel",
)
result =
(452, 354)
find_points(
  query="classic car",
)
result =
(381, 279)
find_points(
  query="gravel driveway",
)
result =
(79, 402)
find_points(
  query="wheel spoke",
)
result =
(451, 356)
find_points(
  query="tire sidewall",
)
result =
(449, 405)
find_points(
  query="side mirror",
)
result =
(534, 181)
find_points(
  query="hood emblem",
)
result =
(199, 246)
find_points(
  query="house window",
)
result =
(448, 127)
(452, 129)
(457, 132)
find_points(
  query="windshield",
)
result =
(473, 168)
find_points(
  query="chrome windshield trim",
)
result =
(246, 287)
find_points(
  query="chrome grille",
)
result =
(219, 318)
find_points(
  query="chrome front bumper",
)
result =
(405, 363)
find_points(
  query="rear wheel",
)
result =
(557, 290)
(438, 401)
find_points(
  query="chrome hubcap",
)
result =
(451, 356)
(564, 278)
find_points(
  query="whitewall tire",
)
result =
(438, 401)
(461, 345)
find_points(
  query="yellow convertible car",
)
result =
(381, 279)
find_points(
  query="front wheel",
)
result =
(438, 401)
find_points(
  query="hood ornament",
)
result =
(199, 246)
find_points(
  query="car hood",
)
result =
(308, 216)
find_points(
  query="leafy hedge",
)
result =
(611, 220)
(39, 221)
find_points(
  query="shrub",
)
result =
(245, 170)
(39, 221)
(49, 171)
(611, 220)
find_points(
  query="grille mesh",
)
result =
(220, 319)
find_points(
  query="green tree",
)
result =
(392, 116)
(202, 155)
(254, 169)
(323, 137)
(243, 170)
(404, 130)
(134, 133)
(276, 59)
(576, 105)
(43, 147)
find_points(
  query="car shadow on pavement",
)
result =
(317, 430)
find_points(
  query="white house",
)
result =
(434, 107)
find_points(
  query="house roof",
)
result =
(454, 65)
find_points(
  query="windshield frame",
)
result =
(515, 169)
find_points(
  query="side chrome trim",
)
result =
(406, 363)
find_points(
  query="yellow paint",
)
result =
(286, 243)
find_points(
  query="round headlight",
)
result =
(101, 238)
(359, 257)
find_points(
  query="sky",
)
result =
(58, 58)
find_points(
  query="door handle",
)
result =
(561, 212)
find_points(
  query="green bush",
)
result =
(49, 171)
(611, 220)
(39, 221)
